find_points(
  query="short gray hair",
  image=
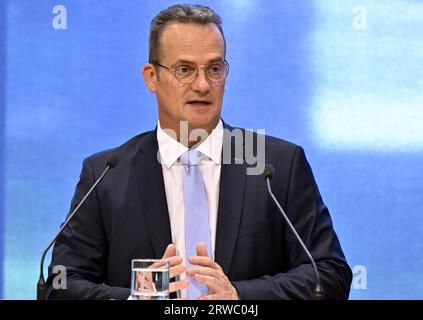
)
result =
(183, 13)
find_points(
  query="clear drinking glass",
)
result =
(150, 279)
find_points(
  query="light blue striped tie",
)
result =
(197, 226)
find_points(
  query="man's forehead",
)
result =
(189, 39)
(179, 30)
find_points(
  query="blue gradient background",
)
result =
(352, 98)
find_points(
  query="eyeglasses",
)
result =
(187, 72)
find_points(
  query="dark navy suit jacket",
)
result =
(127, 217)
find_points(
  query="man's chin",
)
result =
(202, 122)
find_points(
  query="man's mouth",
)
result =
(199, 102)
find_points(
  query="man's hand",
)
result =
(176, 269)
(212, 275)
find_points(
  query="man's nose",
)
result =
(202, 82)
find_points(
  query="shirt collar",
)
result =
(212, 145)
(171, 149)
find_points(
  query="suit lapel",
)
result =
(231, 197)
(152, 193)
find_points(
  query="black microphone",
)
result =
(268, 174)
(112, 161)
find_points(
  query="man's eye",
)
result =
(184, 70)
(215, 68)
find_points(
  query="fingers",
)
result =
(204, 271)
(211, 274)
(207, 267)
(201, 249)
(209, 297)
(175, 262)
(203, 261)
(170, 251)
(211, 282)
(213, 278)
(178, 285)
(220, 288)
(176, 271)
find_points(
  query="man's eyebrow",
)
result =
(183, 61)
(217, 59)
(180, 61)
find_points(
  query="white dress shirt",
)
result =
(174, 174)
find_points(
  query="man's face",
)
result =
(198, 102)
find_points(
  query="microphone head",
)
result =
(268, 171)
(112, 160)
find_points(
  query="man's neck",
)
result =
(188, 135)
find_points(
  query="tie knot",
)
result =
(191, 158)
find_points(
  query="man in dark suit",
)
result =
(141, 209)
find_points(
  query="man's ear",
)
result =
(150, 77)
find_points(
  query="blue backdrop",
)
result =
(341, 78)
